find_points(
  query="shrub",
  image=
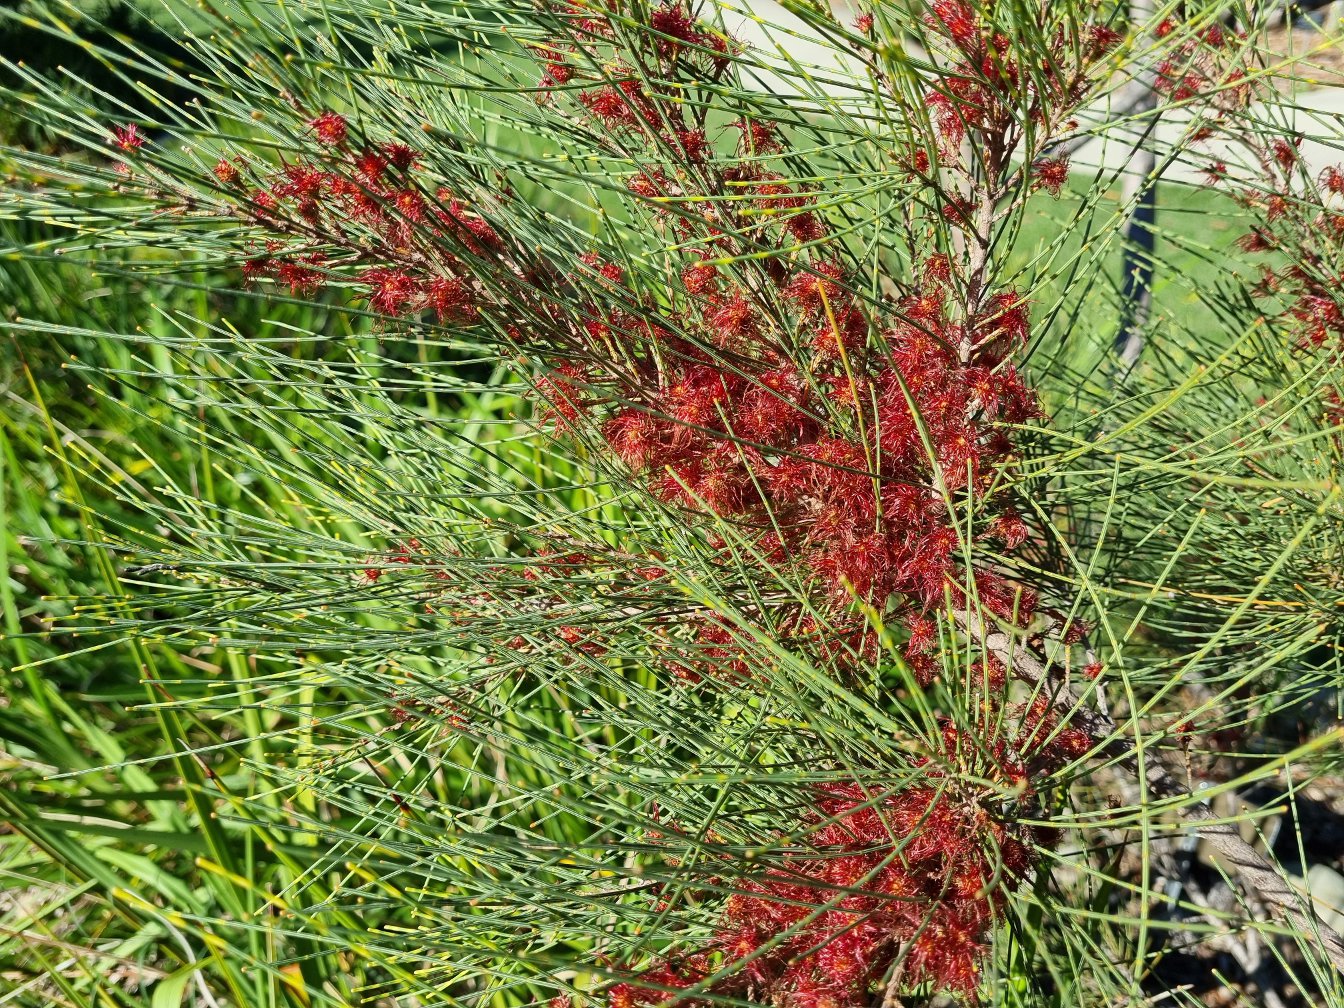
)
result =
(836, 608)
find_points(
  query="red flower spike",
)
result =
(300, 181)
(1005, 318)
(759, 137)
(805, 227)
(408, 204)
(733, 321)
(300, 278)
(470, 228)
(400, 156)
(990, 674)
(256, 267)
(226, 172)
(651, 184)
(370, 165)
(923, 635)
(925, 668)
(945, 852)
(937, 271)
(957, 20)
(673, 20)
(637, 438)
(556, 74)
(772, 413)
(449, 298)
(1102, 40)
(329, 128)
(1285, 152)
(699, 278)
(847, 329)
(693, 144)
(393, 291)
(1256, 240)
(128, 137)
(1009, 529)
(810, 291)
(1051, 175)
(617, 106)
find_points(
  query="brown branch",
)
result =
(1158, 781)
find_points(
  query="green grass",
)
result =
(120, 858)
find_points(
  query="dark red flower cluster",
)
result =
(1196, 63)
(1305, 227)
(985, 89)
(128, 137)
(362, 206)
(1050, 174)
(906, 884)
(619, 96)
(840, 458)
(329, 128)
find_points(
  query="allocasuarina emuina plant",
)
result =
(852, 429)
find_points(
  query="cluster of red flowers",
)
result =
(1195, 64)
(842, 455)
(1309, 229)
(362, 207)
(127, 138)
(620, 95)
(833, 429)
(986, 89)
(904, 884)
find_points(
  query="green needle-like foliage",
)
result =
(657, 504)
